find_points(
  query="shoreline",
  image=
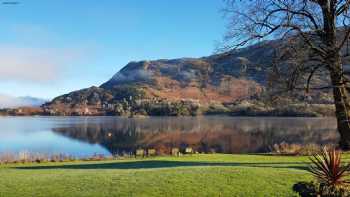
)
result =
(167, 116)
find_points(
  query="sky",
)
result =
(49, 48)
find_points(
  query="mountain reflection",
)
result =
(203, 134)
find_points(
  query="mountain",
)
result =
(220, 83)
(14, 102)
(202, 134)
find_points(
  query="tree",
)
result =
(319, 31)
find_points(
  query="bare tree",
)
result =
(321, 28)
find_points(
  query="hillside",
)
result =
(14, 102)
(221, 83)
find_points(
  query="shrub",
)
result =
(309, 149)
(330, 173)
(286, 149)
(306, 189)
(29, 157)
(295, 149)
(328, 169)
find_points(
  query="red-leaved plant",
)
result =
(329, 171)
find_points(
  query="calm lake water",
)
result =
(86, 136)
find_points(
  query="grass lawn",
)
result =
(196, 175)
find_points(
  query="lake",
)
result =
(86, 136)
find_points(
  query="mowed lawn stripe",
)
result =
(197, 175)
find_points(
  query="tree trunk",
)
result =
(342, 105)
(334, 63)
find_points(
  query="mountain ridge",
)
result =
(219, 83)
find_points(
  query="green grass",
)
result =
(196, 175)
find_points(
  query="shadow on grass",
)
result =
(164, 164)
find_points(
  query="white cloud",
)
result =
(33, 64)
(12, 102)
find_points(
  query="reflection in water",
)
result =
(203, 134)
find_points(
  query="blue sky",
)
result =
(48, 48)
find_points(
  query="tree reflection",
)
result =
(204, 134)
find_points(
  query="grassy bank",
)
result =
(196, 175)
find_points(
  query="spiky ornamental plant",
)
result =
(329, 171)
